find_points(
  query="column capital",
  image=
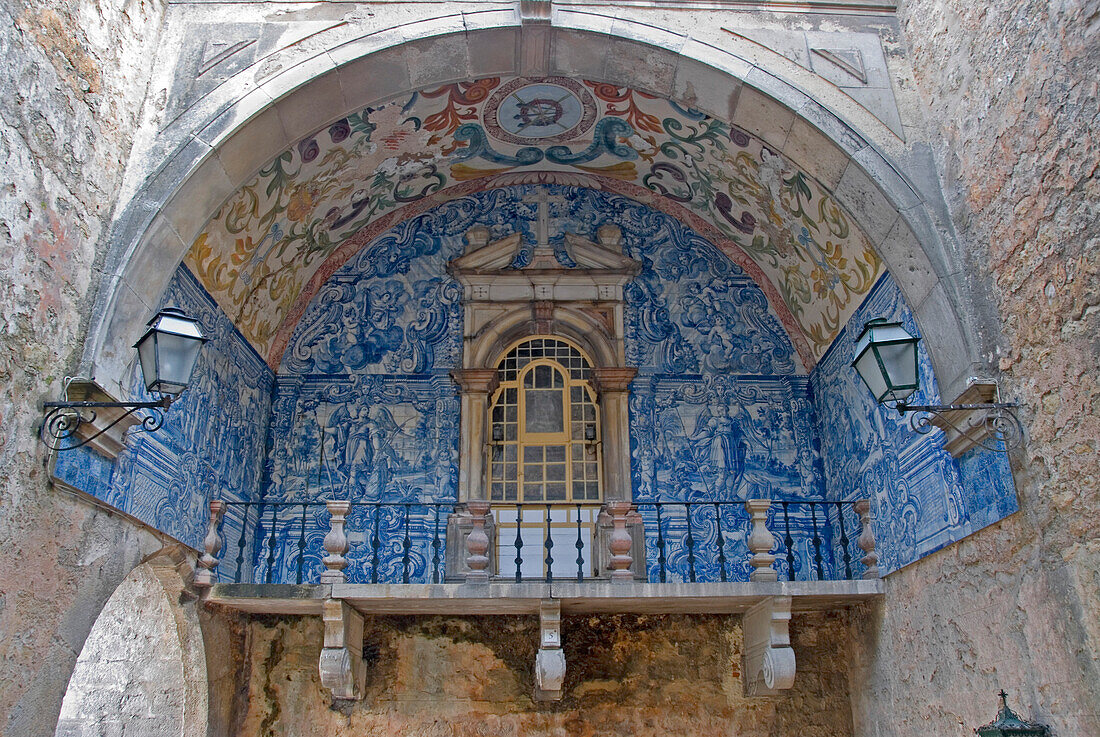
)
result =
(479, 381)
(613, 378)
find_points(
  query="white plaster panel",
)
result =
(438, 59)
(867, 45)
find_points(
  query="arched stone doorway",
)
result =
(142, 669)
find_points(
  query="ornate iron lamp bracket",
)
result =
(63, 420)
(997, 428)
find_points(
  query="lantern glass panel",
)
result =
(177, 355)
(867, 366)
(900, 362)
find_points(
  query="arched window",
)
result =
(544, 425)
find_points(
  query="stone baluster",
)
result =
(760, 541)
(867, 538)
(212, 544)
(336, 543)
(477, 543)
(620, 542)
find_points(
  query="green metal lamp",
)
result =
(886, 360)
(1009, 724)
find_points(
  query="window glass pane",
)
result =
(555, 472)
(555, 453)
(544, 410)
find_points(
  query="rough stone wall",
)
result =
(129, 676)
(71, 92)
(1011, 94)
(627, 675)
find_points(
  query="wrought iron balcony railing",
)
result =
(481, 541)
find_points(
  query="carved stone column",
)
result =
(208, 561)
(477, 544)
(866, 540)
(475, 386)
(613, 386)
(336, 543)
(620, 542)
(760, 541)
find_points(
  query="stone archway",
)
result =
(143, 665)
(816, 128)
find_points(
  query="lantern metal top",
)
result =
(1009, 722)
(176, 322)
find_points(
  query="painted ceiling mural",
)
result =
(278, 239)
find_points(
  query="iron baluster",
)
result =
(721, 542)
(435, 547)
(518, 544)
(788, 541)
(660, 543)
(689, 541)
(271, 541)
(374, 546)
(301, 545)
(580, 548)
(549, 549)
(817, 543)
(845, 555)
(406, 545)
(240, 543)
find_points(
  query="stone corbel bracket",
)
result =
(768, 664)
(343, 671)
(550, 660)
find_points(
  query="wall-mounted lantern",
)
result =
(886, 360)
(1009, 724)
(167, 354)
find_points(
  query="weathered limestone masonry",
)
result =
(68, 108)
(628, 675)
(1011, 90)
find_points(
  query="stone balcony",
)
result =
(699, 557)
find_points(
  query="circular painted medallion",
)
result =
(545, 109)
